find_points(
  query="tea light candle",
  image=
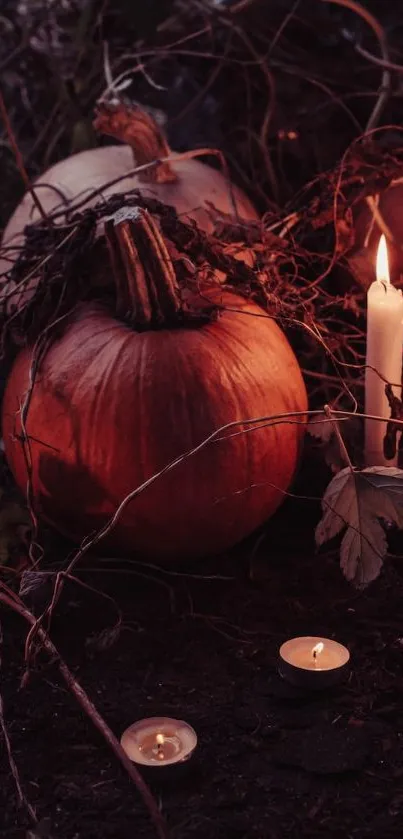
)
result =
(159, 741)
(384, 353)
(313, 662)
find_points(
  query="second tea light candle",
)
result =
(384, 354)
(312, 662)
(159, 743)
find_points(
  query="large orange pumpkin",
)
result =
(113, 405)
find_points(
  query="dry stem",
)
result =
(342, 445)
(22, 799)
(15, 603)
(88, 543)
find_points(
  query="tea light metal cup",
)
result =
(312, 662)
(159, 744)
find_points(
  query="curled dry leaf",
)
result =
(358, 502)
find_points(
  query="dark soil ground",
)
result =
(202, 643)
(271, 761)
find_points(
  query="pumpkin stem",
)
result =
(139, 130)
(148, 293)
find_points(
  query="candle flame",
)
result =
(382, 262)
(160, 740)
(317, 649)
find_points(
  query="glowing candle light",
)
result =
(316, 651)
(384, 354)
(313, 662)
(159, 741)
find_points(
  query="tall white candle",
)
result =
(384, 354)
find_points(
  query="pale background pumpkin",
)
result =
(196, 193)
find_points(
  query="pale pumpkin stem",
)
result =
(139, 130)
(148, 293)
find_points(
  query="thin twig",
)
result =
(380, 33)
(342, 445)
(89, 542)
(15, 603)
(378, 217)
(380, 62)
(39, 352)
(22, 799)
(286, 20)
(293, 417)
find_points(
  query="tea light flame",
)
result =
(318, 649)
(382, 262)
(160, 740)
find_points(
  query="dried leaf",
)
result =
(358, 502)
